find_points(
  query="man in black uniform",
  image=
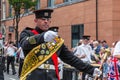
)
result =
(1, 64)
(1, 69)
(29, 40)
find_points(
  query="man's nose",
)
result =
(46, 20)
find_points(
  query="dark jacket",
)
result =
(64, 54)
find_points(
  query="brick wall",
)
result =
(83, 13)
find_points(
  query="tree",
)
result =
(20, 7)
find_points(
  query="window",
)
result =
(11, 29)
(77, 33)
(10, 11)
(65, 0)
(38, 5)
(50, 3)
(26, 10)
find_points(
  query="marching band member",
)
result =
(31, 38)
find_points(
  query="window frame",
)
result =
(76, 36)
(50, 3)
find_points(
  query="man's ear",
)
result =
(35, 20)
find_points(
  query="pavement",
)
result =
(10, 76)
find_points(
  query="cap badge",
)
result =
(46, 14)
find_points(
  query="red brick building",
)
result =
(0, 16)
(98, 18)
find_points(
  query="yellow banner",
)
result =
(39, 55)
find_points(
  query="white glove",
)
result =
(97, 72)
(49, 36)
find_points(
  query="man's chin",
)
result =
(45, 29)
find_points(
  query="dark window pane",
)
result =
(11, 29)
(50, 3)
(77, 33)
(37, 5)
(65, 0)
(10, 11)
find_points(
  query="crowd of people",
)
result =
(99, 54)
(10, 55)
(89, 51)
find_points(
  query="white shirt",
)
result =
(117, 49)
(10, 51)
(84, 50)
(21, 53)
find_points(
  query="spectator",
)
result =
(10, 52)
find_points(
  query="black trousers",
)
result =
(1, 74)
(11, 60)
(42, 74)
(20, 66)
(3, 61)
(83, 76)
(1, 69)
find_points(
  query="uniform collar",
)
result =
(39, 30)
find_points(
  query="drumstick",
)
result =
(107, 53)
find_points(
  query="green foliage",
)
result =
(19, 5)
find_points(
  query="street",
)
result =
(10, 76)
